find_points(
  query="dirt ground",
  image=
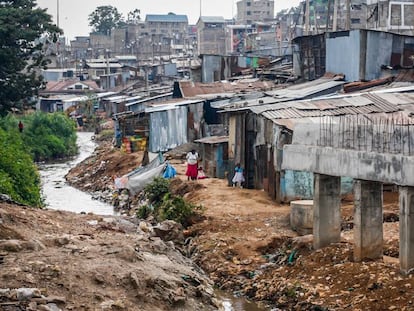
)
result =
(246, 246)
(54, 260)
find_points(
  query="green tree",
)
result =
(134, 17)
(18, 174)
(105, 18)
(23, 28)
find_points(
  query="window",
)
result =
(408, 14)
(248, 13)
(395, 16)
(248, 4)
(401, 15)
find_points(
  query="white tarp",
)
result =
(139, 178)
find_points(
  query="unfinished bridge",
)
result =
(373, 153)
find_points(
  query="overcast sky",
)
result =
(73, 14)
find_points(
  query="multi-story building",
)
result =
(162, 33)
(250, 11)
(211, 35)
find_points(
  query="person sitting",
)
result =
(201, 174)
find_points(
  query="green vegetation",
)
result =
(105, 18)
(18, 175)
(44, 137)
(25, 31)
(163, 205)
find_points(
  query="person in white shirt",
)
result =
(192, 165)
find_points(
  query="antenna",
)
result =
(57, 12)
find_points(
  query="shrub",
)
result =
(156, 190)
(163, 205)
(18, 174)
(177, 209)
(45, 137)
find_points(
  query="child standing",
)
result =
(238, 178)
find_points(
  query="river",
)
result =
(59, 195)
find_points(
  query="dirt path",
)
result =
(246, 246)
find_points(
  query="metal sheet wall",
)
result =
(168, 129)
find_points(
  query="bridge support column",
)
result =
(406, 229)
(368, 218)
(327, 210)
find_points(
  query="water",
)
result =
(59, 195)
(231, 303)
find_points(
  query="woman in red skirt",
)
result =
(192, 165)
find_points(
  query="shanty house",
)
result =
(258, 133)
(174, 123)
(214, 155)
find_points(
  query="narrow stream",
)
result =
(59, 195)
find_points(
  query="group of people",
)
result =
(195, 172)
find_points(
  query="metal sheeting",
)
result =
(362, 104)
(168, 129)
(307, 89)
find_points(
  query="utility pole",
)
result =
(328, 16)
(57, 13)
(348, 15)
(335, 16)
(307, 18)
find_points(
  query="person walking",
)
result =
(21, 126)
(238, 179)
(192, 165)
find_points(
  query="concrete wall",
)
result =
(299, 185)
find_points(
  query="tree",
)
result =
(23, 31)
(134, 17)
(105, 18)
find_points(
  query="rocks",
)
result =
(30, 299)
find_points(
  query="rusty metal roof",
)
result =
(362, 104)
(213, 140)
(191, 89)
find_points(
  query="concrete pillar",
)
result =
(368, 231)
(406, 229)
(327, 210)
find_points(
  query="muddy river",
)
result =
(59, 195)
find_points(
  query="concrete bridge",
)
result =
(371, 154)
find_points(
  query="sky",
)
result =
(73, 14)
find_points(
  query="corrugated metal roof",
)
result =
(309, 88)
(213, 140)
(148, 99)
(213, 19)
(169, 18)
(171, 105)
(363, 104)
(191, 89)
(103, 65)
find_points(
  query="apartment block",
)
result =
(250, 11)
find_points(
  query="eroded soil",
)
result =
(244, 243)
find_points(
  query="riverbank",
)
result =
(247, 247)
(56, 260)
